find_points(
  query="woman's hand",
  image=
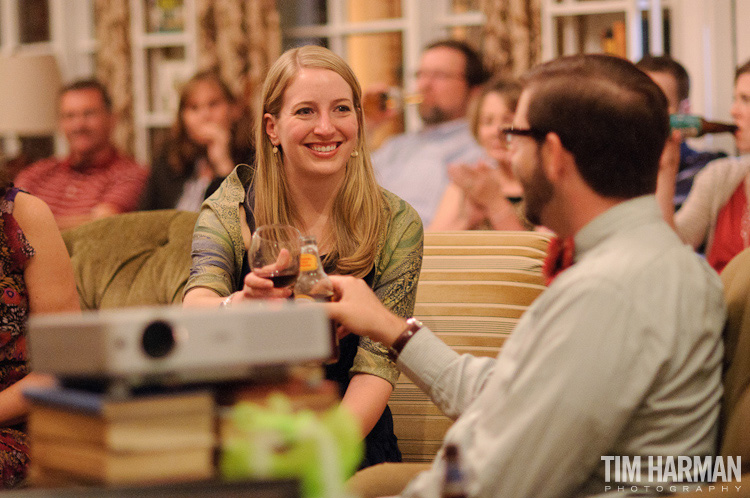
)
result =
(483, 188)
(481, 183)
(257, 285)
(218, 147)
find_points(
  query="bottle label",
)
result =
(308, 262)
(690, 125)
(318, 298)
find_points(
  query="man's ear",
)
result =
(553, 156)
(271, 128)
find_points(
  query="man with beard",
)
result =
(95, 180)
(620, 356)
(414, 166)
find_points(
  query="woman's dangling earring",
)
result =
(275, 149)
(354, 153)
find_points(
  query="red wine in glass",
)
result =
(283, 279)
(274, 254)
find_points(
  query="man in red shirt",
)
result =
(95, 180)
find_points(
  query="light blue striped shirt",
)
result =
(414, 166)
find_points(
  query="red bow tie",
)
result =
(559, 258)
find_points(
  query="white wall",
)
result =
(741, 29)
(704, 39)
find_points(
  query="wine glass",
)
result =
(274, 254)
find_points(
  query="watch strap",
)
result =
(412, 327)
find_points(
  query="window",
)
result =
(395, 30)
(33, 26)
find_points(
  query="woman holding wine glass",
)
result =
(313, 172)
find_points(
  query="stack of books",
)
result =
(83, 437)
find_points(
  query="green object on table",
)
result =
(321, 450)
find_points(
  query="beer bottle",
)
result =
(393, 98)
(454, 482)
(313, 284)
(691, 125)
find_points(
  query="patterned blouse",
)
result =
(218, 251)
(15, 252)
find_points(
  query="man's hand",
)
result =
(375, 114)
(359, 311)
(669, 165)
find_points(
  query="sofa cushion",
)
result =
(736, 404)
(132, 259)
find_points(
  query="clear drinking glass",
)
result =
(274, 254)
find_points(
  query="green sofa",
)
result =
(132, 259)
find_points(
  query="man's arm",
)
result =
(560, 395)
(359, 311)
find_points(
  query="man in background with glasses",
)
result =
(620, 356)
(414, 165)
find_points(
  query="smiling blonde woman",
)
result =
(313, 172)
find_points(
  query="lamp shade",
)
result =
(29, 86)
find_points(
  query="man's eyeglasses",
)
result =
(438, 75)
(509, 133)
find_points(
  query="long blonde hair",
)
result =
(357, 215)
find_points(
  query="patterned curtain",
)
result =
(240, 40)
(512, 35)
(113, 65)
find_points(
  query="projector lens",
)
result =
(158, 339)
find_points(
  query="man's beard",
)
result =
(537, 192)
(432, 115)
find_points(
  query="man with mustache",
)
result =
(95, 180)
(620, 356)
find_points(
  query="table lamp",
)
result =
(29, 87)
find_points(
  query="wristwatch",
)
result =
(412, 326)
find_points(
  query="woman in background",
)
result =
(716, 213)
(486, 195)
(209, 138)
(36, 276)
(313, 172)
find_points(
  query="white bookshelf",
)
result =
(573, 26)
(161, 61)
